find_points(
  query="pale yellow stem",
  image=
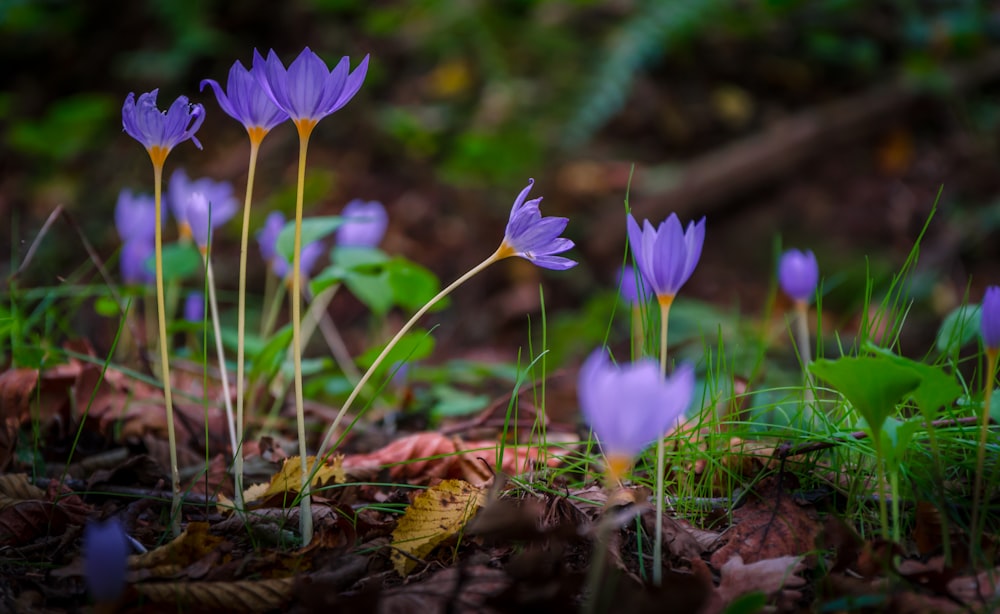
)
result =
(305, 506)
(665, 301)
(213, 306)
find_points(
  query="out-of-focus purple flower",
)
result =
(311, 253)
(267, 237)
(218, 193)
(631, 287)
(105, 559)
(203, 216)
(798, 274)
(667, 255)
(160, 132)
(246, 101)
(533, 237)
(307, 91)
(194, 307)
(136, 253)
(989, 318)
(364, 225)
(629, 406)
(135, 216)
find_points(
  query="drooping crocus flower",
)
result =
(204, 215)
(267, 237)
(246, 101)
(630, 406)
(365, 224)
(160, 132)
(135, 256)
(989, 318)
(194, 307)
(798, 274)
(219, 193)
(135, 216)
(667, 255)
(307, 91)
(105, 559)
(533, 237)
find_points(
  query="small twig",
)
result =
(29, 256)
(787, 449)
(81, 487)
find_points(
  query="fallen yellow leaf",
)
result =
(435, 515)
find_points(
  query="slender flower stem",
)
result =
(241, 324)
(305, 504)
(638, 331)
(502, 252)
(665, 302)
(804, 346)
(175, 505)
(984, 429)
(316, 316)
(213, 306)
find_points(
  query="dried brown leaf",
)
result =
(465, 591)
(774, 577)
(243, 596)
(435, 515)
(194, 543)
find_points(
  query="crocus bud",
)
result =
(364, 225)
(989, 322)
(105, 559)
(798, 274)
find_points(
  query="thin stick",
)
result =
(213, 306)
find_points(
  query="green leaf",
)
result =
(751, 603)
(414, 345)
(896, 437)
(313, 229)
(450, 402)
(270, 358)
(937, 388)
(107, 307)
(372, 290)
(358, 257)
(180, 261)
(958, 328)
(412, 285)
(873, 385)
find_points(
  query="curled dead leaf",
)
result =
(243, 596)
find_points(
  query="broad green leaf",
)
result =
(358, 257)
(958, 328)
(414, 345)
(937, 388)
(896, 437)
(412, 285)
(313, 229)
(372, 290)
(451, 402)
(873, 385)
(180, 261)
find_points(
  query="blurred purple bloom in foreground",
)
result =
(136, 252)
(159, 132)
(105, 558)
(267, 240)
(307, 91)
(631, 286)
(533, 237)
(246, 101)
(218, 193)
(667, 255)
(629, 406)
(194, 307)
(203, 215)
(135, 216)
(364, 224)
(798, 274)
(989, 322)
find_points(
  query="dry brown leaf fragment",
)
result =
(191, 545)
(435, 515)
(770, 576)
(243, 596)
(449, 590)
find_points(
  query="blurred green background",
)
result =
(851, 115)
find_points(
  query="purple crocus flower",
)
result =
(105, 559)
(203, 215)
(364, 225)
(666, 255)
(631, 287)
(267, 237)
(136, 252)
(308, 91)
(135, 216)
(159, 132)
(989, 318)
(246, 101)
(311, 253)
(798, 274)
(194, 307)
(629, 406)
(533, 237)
(219, 193)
